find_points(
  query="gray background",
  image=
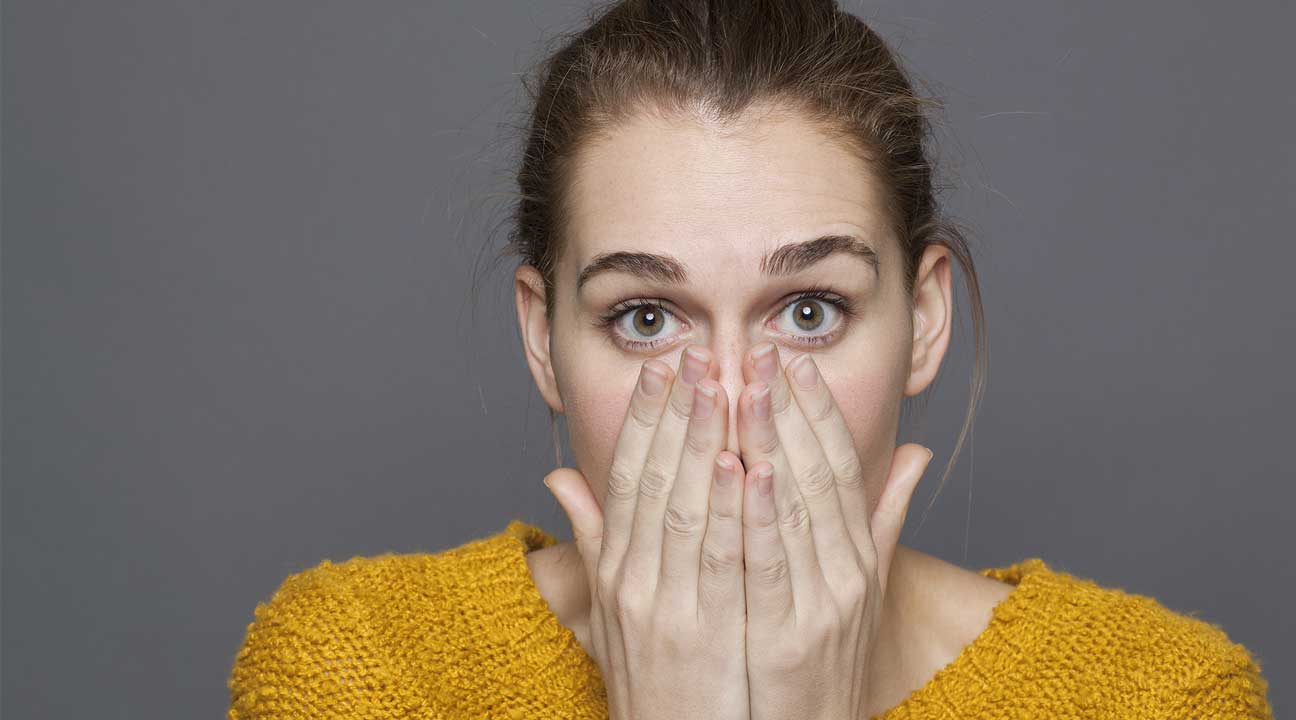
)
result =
(239, 338)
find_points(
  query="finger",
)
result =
(908, 463)
(829, 426)
(759, 442)
(574, 496)
(767, 582)
(813, 475)
(720, 567)
(657, 474)
(577, 500)
(637, 429)
(685, 520)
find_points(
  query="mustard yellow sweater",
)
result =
(464, 633)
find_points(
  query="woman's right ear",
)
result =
(529, 292)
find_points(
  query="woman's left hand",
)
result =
(816, 562)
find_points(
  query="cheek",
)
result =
(866, 401)
(870, 403)
(595, 399)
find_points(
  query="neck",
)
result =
(902, 649)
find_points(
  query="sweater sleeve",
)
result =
(317, 649)
(1232, 687)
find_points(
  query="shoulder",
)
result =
(368, 637)
(1129, 647)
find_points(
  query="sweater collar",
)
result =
(554, 653)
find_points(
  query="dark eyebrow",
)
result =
(786, 260)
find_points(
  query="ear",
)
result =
(529, 292)
(933, 312)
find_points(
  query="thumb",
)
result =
(908, 463)
(572, 491)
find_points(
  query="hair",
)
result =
(715, 59)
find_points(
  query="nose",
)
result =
(726, 368)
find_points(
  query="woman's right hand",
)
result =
(664, 556)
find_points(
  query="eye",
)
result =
(812, 317)
(641, 324)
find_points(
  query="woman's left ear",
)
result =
(932, 314)
(529, 293)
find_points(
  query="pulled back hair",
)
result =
(715, 59)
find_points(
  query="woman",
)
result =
(733, 272)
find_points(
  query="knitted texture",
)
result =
(465, 633)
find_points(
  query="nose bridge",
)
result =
(727, 350)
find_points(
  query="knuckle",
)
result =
(760, 522)
(848, 472)
(799, 651)
(853, 588)
(719, 559)
(622, 483)
(780, 403)
(820, 410)
(642, 415)
(583, 539)
(607, 582)
(655, 481)
(681, 403)
(868, 561)
(818, 481)
(721, 512)
(629, 604)
(625, 615)
(772, 573)
(680, 522)
(697, 444)
(795, 517)
(714, 601)
(766, 443)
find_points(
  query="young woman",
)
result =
(732, 273)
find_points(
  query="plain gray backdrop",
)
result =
(239, 337)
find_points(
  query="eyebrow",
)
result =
(788, 259)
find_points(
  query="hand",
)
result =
(816, 563)
(663, 557)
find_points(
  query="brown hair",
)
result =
(716, 58)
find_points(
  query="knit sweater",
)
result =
(465, 633)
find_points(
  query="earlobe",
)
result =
(533, 325)
(932, 313)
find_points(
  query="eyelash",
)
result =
(608, 320)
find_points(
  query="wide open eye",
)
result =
(644, 324)
(812, 318)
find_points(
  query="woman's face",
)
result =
(683, 233)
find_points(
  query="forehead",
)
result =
(708, 194)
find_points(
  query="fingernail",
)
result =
(765, 358)
(704, 401)
(930, 454)
(761, 402)
(764, 481)
(805, 373)
(724, 471)
(695, 365)
(651, 380)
